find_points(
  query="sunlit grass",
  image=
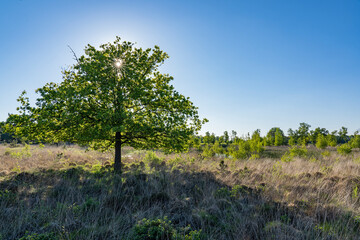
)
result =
(71, 193)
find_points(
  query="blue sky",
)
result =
(245, 64)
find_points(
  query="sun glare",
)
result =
(118, 63)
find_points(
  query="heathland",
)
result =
(281, 192)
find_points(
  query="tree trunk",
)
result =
(117, 163)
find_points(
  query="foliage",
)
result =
(4, 136)
(98, 99)
(226, 137)
(275, 137)
(321, 142)
(344, 149)
(152, 160)
(303, 133)
(292, 141)
(243, 148)
(279, 137)
(294, 151)
(331, 139)
(355, 141)
(208, 151)
(209, 138)
(217, 148)
(162, 229)
(314, 135)
(343, 138)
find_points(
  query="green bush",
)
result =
(152, 160)
(287, 157)
(240, 150)
(297, 151)
(344, 149)
(246, 148)
(162, 229)
(321, 142)
(208, 152)
(355, 142)
(292, 141)
(217, 148)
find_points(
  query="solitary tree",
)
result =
(111, 97)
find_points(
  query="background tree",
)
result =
(112, 96)
(226, 137)
(292, 137)
(279, 137)
(4, 136)
(271, 137)
(233, 135)
(207, 138)
(314, 134)
(343, 137)
(302, 133)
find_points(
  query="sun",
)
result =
(118, 63)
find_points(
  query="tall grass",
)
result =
(57, 193)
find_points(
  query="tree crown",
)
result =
(117, 88)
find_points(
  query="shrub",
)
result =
(331, 139)
(246, 148)
(208, 152)
(325, 154)
(152, 160)
(240, 150)
(321, 142)
(355, 142)
(287, 157)
(297, 151)
(217, 148)
(344, 149)
(294, 151)
(292, 141)
(162, 229)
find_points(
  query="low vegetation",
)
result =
(67, 192)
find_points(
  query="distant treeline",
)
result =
(252, 146)
(276, 137)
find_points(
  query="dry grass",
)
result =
(73, 194)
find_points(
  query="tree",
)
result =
(331, 139)
(343, 137)
(275, 136)
(112, 96)
(5, 137)
(279, 137)
(321, 141)
(292, 137)
(314, 134)
(303, 133)
(226, 137)
(233, 135)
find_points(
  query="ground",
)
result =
(57, 192)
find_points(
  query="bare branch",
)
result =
(74, 54)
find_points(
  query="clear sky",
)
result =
(245, 64)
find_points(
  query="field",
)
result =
(49, 192)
